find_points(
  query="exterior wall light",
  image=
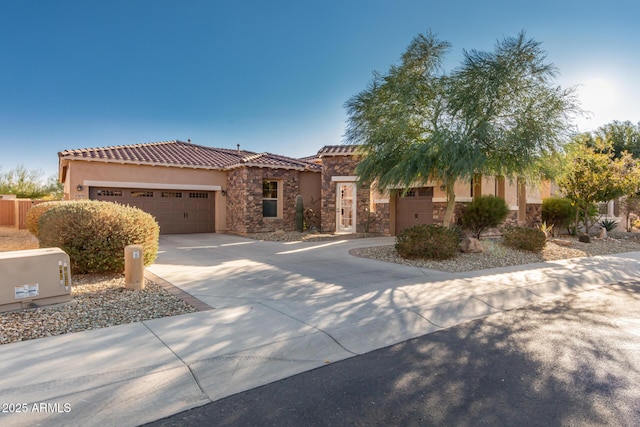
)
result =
(79, 187)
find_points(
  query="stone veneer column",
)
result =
(341, 166)
(244, 199)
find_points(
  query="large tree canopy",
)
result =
(498, 113)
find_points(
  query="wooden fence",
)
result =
(13, 212)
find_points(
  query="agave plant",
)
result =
(608, 224)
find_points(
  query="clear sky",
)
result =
(268, 75)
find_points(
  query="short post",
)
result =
(133, 267)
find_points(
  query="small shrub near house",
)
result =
(95, 233)
(558, 212)
(427, 241)
(34, 214)
(528, 239)
(484, 212)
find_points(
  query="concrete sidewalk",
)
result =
(280, 309)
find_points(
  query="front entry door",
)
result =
(345, 208)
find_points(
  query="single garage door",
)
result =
(415, 207)
(176, 211)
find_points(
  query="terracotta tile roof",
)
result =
(184, 154)
(275, 161)
(337, 150)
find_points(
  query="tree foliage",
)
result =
(498, 113)
(593, 174)
(621, 136)
(29, 184)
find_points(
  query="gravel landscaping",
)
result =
(99, 301)
(497, 255)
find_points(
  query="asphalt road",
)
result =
(571, 361)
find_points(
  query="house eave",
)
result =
(139, 163)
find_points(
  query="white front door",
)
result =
(346, 207)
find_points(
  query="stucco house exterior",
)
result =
(191, 188)
(390, 211)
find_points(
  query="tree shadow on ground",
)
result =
(561, 362)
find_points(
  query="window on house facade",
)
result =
(269, 199)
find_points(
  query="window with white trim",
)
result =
(270, 198)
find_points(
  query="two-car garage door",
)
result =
(176, 211)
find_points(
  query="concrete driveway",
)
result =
(279, 309)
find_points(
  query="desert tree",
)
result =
(499, 113)
(592, 174)
(29, 184)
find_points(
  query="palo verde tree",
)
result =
(499, 113)
(593, 174)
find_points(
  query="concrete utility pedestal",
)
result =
(134, 267)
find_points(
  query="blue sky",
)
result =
(268, 75)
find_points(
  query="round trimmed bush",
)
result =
(558, 211)
(528, 239)
(95, 233)
(34, 214)
(484, 212)
(427, 241)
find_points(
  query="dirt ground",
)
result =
(12, 239)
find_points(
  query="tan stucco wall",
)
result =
(461, 188)
(311, 190)
(310, 185)
(79, 172)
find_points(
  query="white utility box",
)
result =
(35, 277)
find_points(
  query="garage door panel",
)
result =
(175, 211)
(414, 208)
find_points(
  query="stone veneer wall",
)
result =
(439, 208)
(534, 214)
(379, 219)
(244, 200)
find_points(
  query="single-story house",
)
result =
(191, 188)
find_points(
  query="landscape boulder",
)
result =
(471, 245)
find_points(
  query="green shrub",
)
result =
(34, 214)
(95, 233)
(484, 212)
(528, 239)
(427, 241)
(559, 212)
